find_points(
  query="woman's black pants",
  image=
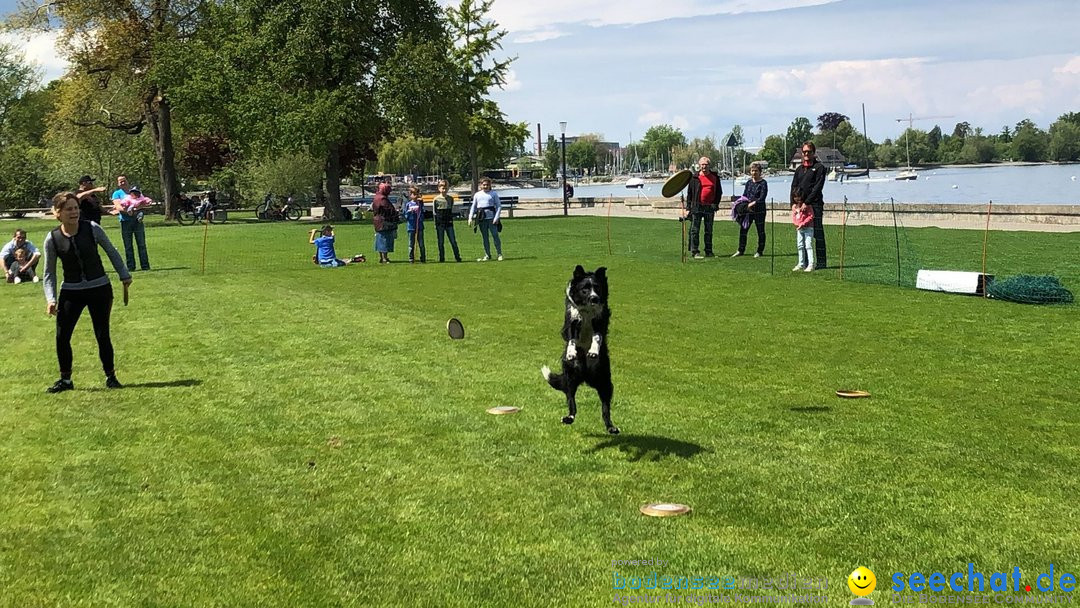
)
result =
(69, 308)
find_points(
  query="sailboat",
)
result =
(907, 173)
(846, 174)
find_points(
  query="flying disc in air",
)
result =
(852, 394)
(664, 509)
(504, 409)
(675, 183)
(455, 329)
(126, 285)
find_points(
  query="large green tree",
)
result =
(1029, 142)
(586, 153)
(829, 121)
(22, 111)
(1065, 138)
(772, 151)
(309, 77)
(552, 157)
(116, 45)
(659, 142)
(485, 133)
(799, 131)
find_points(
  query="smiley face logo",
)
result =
(861, 581)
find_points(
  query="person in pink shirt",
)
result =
(130, 209)
(802, 215)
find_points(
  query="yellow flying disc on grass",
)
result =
(852, 394)
(504, 409)
(664, 509)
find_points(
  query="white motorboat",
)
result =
(635, 182)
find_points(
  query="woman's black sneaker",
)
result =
(60, 386)
(112, 382)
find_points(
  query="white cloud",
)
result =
(521, 16)
(539, 36)
(512, 82)
(654, 117)
(40, 50)
(1028, 96)
(1071, 67)
(888, 84)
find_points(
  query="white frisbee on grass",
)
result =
(503, 409)
(665, 509)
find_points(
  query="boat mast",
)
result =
(866, 143)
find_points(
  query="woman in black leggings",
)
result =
(85, 285)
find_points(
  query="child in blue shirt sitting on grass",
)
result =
(325, 255)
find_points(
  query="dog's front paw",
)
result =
(571, 353)
(593, 354)
(568, 420)
(614, 430)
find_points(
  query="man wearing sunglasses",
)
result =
(808, 183)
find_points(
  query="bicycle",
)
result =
(268, 210)
(190, 213)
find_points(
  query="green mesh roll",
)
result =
(1030, 289)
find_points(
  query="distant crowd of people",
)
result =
(76, 242)
(704, 193)
(484, 215)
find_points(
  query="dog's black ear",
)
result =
(578, 272)
(601, 273)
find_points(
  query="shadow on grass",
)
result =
(811, 409)
(165, 384)
(646, 447)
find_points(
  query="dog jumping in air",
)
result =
(585, 328)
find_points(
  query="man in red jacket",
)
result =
(702, 199)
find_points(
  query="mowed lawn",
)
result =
(297, 436)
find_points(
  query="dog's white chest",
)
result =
(587, 334)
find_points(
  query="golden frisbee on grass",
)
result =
(664, 509)
(852, 394)
(455, 329)
(504, 409)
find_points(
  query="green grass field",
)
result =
(297, 436)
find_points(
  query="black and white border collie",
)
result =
(585, 329)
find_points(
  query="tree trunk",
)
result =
(473, 165)
(159, 117)
(332, 208)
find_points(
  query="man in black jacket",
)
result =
(808, 182)
(702, 199)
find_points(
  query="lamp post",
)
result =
(565, 200)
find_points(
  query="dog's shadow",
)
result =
(646, 447)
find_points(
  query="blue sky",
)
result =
(619, 67)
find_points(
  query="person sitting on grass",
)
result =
(325, 255)
(7, 254)
(21, 270)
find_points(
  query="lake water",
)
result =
(1007, 184)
